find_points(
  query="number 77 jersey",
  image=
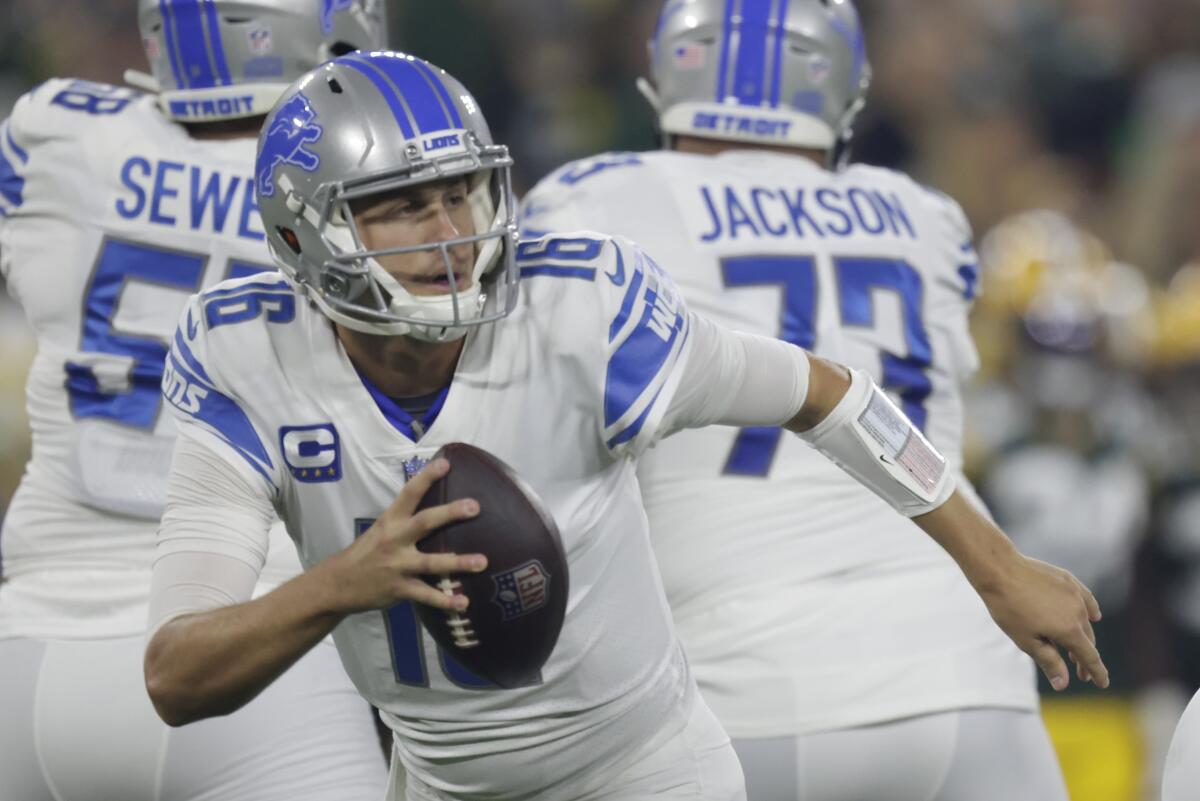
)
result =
(781, 571)
(111, 216)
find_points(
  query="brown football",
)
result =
(518, 603)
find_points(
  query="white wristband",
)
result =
(873, 441)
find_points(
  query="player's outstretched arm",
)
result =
(1039, 606)
(212, 662)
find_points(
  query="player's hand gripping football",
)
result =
(383, 566)
(1039, 606)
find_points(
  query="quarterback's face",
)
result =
(420, 215)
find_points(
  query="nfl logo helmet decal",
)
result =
(260, 41)
(521, 590)
(311, 453)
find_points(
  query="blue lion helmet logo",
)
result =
(292, 127)
(328, 9)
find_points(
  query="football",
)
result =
(518, 603)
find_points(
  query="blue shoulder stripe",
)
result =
(18, 151)
(641, 358)
(222, 415)
(188, 357)
(12, 185)
(631, 294)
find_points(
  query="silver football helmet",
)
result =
(222, 59)
(366, 124)
(791, 73)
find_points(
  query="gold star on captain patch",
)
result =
(329, 472)
(303, 474)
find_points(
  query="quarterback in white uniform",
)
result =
(397, 327)
(844, 615)
(115, 207)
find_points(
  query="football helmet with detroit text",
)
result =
(223, 59)
(777, 73)
(372, 123)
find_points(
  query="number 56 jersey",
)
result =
(804, 602)
(110, 217)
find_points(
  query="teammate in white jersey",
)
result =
(844, 652)
(398, 328)
(115, 206)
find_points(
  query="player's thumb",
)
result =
(1051, 663)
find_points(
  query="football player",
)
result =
(397, 327)
(847, 656)
(115, 206)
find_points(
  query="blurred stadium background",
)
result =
(1070, 132)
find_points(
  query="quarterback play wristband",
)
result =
(872, 440)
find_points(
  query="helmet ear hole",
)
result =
(290, 238)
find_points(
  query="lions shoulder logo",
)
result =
(293, 126)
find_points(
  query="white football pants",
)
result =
(697, 764)
(76, 724)
(1181, 775)
(962, 755)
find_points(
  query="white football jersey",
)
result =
(568, 389)
(803, 601)
(110, 217)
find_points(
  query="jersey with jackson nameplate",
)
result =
(805, 602)
(568, 389)
(110, 217)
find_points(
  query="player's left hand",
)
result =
(1042, 608)
(1039, 606)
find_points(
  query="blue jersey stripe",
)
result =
(386, 89)
(635, 428)
(777, 64)
(17, 150)
(723, 64)
(631, 295)
(214, 37)
(416, 92)
(193, 52)
(227, 420)
(560, 271)
(447, 102)
(192, 362)
(637, 362)
(749, 72)
(11, 183)
(169, 39)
